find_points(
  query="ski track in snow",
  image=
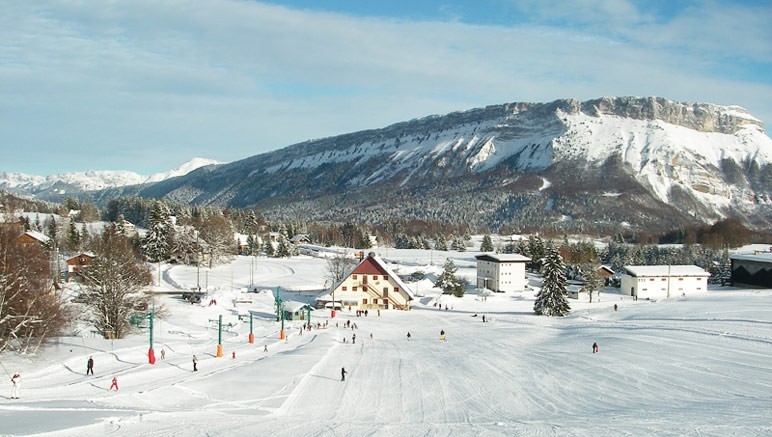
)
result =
(696, 366)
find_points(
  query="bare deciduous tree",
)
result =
(30, 309)
(115, 280)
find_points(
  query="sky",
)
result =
(145, 86)
(692, 365)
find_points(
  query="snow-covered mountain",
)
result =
(92, 180)
(646, 163)
(613, 163)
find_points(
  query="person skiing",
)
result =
(90, 366)
(343, 373)
(265, 348)
(195, 364)
(594, 347)
(353, 338)
(114, 384)
(408, 336)
(163, 354)
(16, 385)
(442, 334)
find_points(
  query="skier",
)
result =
(163, 354)
(353, 339)
(408, 336)
(90, 366)
(16, 381)
(195, 364)
(343, 373)
(114, 384)
(442, 334)
(615, 307)
(265, 348)
(594, 347)
(483, 318)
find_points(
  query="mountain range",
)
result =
(75, 183)
(608, 164)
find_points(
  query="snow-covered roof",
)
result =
(372, 256)
(765, 257)
(293, 306)
(43, 238)
(666, 270)
(503, 257)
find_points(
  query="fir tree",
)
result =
(284, 249)
(448, 281)
(551, 299)
(156, 243)
(441, 244)
(487, 244)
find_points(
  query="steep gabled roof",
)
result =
(372, 264)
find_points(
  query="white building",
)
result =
(502, 272)
(661, 282)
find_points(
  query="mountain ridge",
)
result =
(606, 164)
(91, 180)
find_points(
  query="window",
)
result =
(364, 301)
(353, 289)
(353, 276)
(385, 293)
(345, 288)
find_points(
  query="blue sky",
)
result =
(146, 85)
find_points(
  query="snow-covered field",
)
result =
(695, 365)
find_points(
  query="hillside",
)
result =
(641, 163)
(604, 165)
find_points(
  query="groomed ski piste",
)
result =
(696, 365)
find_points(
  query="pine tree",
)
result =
(156, 243)
(551, 299)
(284, 249)
(536, 251)
(458, 244)
(487, 244)
(441, 244)
(448, 281)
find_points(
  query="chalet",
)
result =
(294, 310)
(370, 285)
(502, 272)
(752, 269)
(33, 237)
(300, 239)
(243, 239)
(606, 273)
(661, 282)
(77, 264)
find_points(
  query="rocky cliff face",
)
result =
(606, 163)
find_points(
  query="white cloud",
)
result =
(230, 79)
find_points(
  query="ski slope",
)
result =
(694, 365)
